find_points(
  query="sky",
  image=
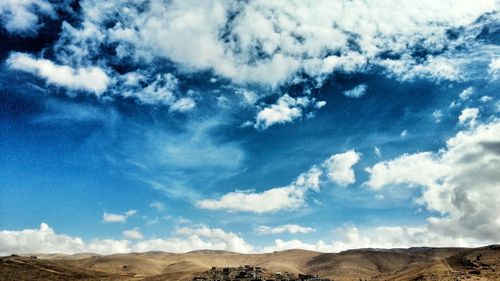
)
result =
(248, 126)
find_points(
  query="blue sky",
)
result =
(248, 127)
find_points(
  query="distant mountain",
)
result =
(422, 263)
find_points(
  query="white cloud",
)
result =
(320, 104)
(465, 94)
(248, 97)
(468, 116)
(46, 240)
(282, 245)
(485, 99)
(92, 79)
(285, 110)
(133, 234)
(159, 89)
(339, 167)
(288, 228)
(110, 217)
(434, 68)
(383, 237)
(271, 200)
(22, 16)
(404, 133)
(230, 240)
(356, 92)
(494, 67)
(270, 42)
(377, 152)
(437, 115)
(183, 105)
(419, 168)
(40, 240)
(460, 182)
(275, 199)
(158, 206)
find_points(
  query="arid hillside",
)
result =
(365, 264)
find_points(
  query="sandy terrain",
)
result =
(370, 264)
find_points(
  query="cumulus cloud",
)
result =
(287, 228)
(383, 237)
(286, 109)
(356, 92)
(339, 167)
(275, 199)
(144, 87)
(494, 67)
(24, 16)
(465, 94)
(229, 240)
(271, 42)
(468, 116)
(46, 240)
(133, 234)
(460, 182)
(92, 79)
(110, 217)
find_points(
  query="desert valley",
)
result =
(363, 264)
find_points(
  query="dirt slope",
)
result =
(370, 264)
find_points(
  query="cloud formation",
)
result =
(460, 182)
(133, 234)
(23, 17)
(468, 116)
(275, 199)
(286, 109)
(46, 240)
(286, 228)
(272, 42)
(356, 92)
(339, 167)
(383, 237)
(259, 43)
(465, 94)
(110, 217)
(92, 79)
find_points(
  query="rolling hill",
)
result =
(371, 264)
